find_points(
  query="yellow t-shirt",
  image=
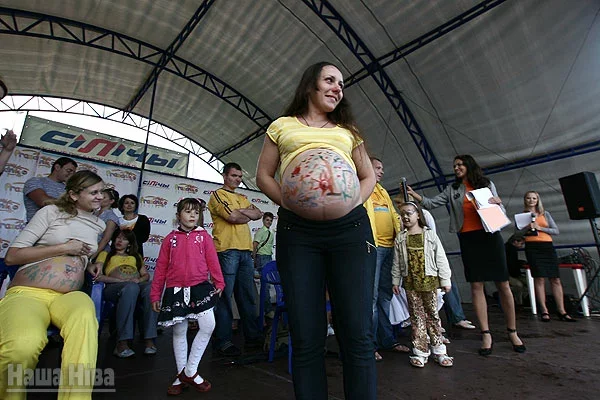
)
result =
(228, 236)
(293, 137)
(383, 220)
(126, 264)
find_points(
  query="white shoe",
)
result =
(330, 331)
(464, 324)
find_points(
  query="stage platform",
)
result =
(560, 363)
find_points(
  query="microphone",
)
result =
(403, 188)
(532, 231)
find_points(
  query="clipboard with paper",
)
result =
(492, 217)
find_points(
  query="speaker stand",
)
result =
(596, 273)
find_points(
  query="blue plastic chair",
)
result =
(270, 275)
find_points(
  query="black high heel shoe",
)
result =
(488, 350)
(519, 348)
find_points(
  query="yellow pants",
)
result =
(25, 314)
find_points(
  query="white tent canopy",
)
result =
(508, 81)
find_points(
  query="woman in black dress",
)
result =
(542, 257)
(482, 252)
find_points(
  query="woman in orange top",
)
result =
(541, 256)
(482, 252)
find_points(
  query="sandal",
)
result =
(487, 350)
(545, 317)
(418, 361)
(565, 317)
(400, 348)
(378, 357)
(519, 348)
(444, 360)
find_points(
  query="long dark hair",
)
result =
(474, 173)
(132, 249)
(342, 115)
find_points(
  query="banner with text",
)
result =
(158, 201)
(27, 163)
(50, 135)
(158, 198)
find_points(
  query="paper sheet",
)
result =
(481, 196)
(522, 220)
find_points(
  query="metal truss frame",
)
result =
(82, 107)
(522, 163)
(254, 135)
(436, 33)
(31, 24)
(169, 53)
(346, 34)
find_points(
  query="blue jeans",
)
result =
(126, 296)
(452, 305)
(338, 254)
(261, 260)
(382, 296)
(238, 272)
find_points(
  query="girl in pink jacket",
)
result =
(189, 268)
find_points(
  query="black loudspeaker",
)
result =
(582, 195)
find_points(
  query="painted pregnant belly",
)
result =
(321, 185)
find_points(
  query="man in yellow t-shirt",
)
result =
(231, 212)
(385, 224)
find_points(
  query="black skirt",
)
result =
(542, 259)
(483, 256)
(183, 303)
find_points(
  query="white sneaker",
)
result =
(330, 331)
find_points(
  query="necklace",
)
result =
(307, 124)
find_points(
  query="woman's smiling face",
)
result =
(460, 169)
(329, 91)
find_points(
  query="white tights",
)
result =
(206, 325)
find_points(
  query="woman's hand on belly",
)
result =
(62, 274)
(320, 185)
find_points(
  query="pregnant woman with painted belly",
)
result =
(320, 185)
(324, 236)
